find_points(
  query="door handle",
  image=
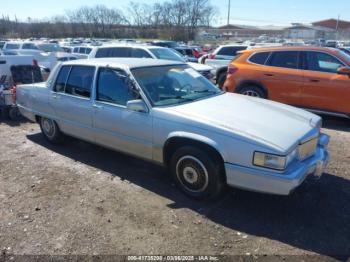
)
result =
(55, 96)
(269, 74)
(97, 106)
(314, 80)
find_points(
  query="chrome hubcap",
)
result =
(48, 127)
(192, 174)
(251, 93)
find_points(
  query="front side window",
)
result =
(76, 50)
(29, 46)
(113, 87)
(322, 62)
(80, 81)
(140, 53)
(231, 50)
(166, 54)
(171, 85)
(62, 79)
(284, 59)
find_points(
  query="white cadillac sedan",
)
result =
(168, 113)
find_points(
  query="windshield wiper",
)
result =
(176, 97)
(205, 91)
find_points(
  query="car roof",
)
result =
(131, 45)
(124, 62)
(289, 48)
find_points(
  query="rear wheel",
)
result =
(13, 113)
(253, 91)
(50, 130)
(221, 79)
(197, 174)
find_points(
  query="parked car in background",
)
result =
(50, 47)
(345, 49)
(169, 44)
(82, 52)
(20, 46)
(220, 59)
(314, 78)
(146, 51)
(187, 52)
(165, 112)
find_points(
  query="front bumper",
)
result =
(266, 181)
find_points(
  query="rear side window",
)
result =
(82, 50)
(285, 59)
(62, 79)
(76, 50)
(80, 81)
(231, 50)
(113, 52)
(259, 58)
(12, 46)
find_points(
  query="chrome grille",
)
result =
(307, 149)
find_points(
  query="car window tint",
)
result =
(76, 49)
(29, 46)
(322, 62)
(61, 79)
(137, 52)
(285, 59)
(80, 81)
(82, 50)
(230, 50)
(259, 58)
(88, 50)
(112, 87)
(12, 46)
(113, 52)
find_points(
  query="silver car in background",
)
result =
(168, 113)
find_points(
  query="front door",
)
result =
(323, 88)
(115, 126)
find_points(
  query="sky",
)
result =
(250, 12)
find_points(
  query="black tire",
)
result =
(221, 79)
(253, 91)
(13, 113)
(197, 174)
(50, 130)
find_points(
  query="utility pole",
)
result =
(337, 27)
(229, 12)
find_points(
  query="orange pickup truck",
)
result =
(313, 78)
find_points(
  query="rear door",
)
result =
(71, 100)
(323, 87)
(282, 77)
(114, 125)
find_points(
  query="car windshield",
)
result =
(167, 54)
(172, 85)
(345, 56)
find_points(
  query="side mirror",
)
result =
(344, 71)
(137, 106)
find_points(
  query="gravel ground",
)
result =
(80, 199)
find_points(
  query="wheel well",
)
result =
(252, 83)
(175, 143)
(220, 71)
(37, 119)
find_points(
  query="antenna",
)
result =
(229, 12)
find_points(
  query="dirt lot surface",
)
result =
(82, 199)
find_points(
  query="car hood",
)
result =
(261, 121)
(199, 67)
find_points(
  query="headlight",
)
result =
(270, 161)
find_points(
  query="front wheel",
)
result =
(197, 174)
(253, 91)
(50, 130)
